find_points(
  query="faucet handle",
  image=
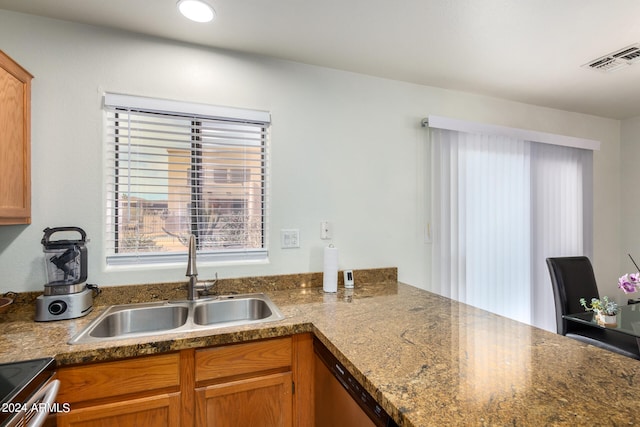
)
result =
(205, 287)
(192, 270)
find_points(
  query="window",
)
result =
(176, 169)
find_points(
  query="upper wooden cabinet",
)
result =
(15, 142)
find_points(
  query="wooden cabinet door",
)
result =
(264, 401)
(15, 142)
(153, 411)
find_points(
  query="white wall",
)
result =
(347, 148)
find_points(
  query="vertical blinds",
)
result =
(176, 169)
(501, 206)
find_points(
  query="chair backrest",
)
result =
(572, 278)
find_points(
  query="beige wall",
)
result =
(347, 148)
(630, 195)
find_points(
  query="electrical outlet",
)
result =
(289, 238)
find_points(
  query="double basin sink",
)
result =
(156, 318)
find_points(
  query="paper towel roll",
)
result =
(330, 271)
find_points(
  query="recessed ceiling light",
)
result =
(196, 10)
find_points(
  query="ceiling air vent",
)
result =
(616, 60)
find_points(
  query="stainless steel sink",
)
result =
(231, 311)
(158, 318)
(125, 321)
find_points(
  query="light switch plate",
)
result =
(325, 230)
(289, 238)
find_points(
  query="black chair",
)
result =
(573, 278)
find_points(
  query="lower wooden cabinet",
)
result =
(146, 411)
(263, 401)
(141, 391)
(245, 384)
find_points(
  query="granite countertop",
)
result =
(426, 359)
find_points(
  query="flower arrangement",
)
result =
(601, 306)
(629, 283)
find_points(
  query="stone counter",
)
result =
(427, 360)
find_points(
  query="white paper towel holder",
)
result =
(330, 271)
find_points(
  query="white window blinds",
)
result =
(176, 169)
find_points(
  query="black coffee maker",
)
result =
(66, 294)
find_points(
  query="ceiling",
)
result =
(530, 51)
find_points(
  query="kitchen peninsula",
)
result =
(426, 359)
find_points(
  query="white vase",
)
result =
(605, 320)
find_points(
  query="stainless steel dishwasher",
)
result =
(340, 401)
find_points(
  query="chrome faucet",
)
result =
(192, 273)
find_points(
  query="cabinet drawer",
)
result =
(108, 379)
(240, 359)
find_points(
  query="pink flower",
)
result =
(629, 283)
